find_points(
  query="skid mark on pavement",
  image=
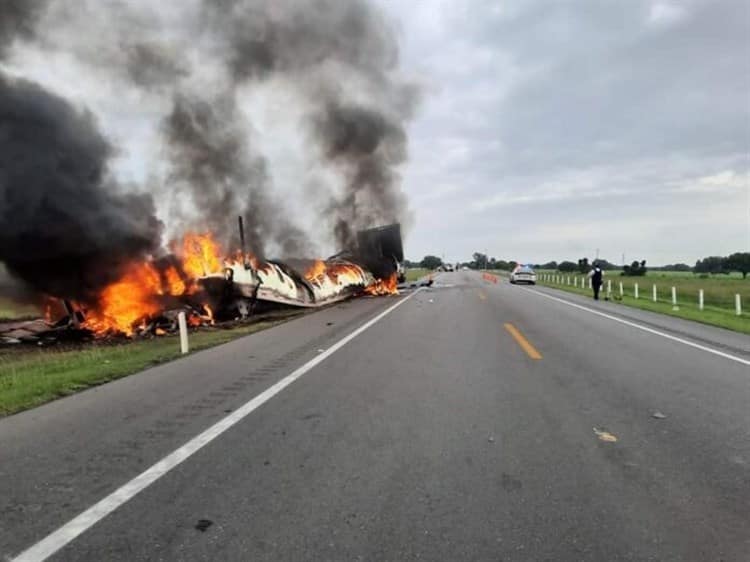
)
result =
(523, 342)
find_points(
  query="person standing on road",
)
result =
(596, 275)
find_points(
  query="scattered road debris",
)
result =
(605, 436)
(203, 525)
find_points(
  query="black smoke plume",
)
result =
(67, 226)
(65, 229)
(366, 147)
(214, 168)
(335, 53)
(17, 20)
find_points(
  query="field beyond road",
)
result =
(718, 294)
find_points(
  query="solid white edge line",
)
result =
(644, 328)
(76, 526)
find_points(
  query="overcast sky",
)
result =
(551, 129)
(547, 129)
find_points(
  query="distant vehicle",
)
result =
(523, 274)
(448, 267)
(465, 268)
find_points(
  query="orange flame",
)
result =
(127, 301)
(317, 269)
(387, 286)
(201, 255)
(175, 284)
(133, 299)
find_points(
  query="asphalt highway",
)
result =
(468, 421)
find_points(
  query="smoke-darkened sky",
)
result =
(535, 130)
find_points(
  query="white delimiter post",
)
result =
(654, 293)
(635, 290)
(182, 322)
(609, 287)
(674, 298)
(590, 283)
(622, 290)
(700, 299)
(575, 281)
(738, 305)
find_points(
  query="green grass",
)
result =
(29, 378)
(417, 273)
(719, 294)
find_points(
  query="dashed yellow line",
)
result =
(523, 342)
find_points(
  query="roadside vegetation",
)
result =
(413, 274)
(30, 377)
(718, 294)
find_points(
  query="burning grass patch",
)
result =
(29, 378)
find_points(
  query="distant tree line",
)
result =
(739, 261)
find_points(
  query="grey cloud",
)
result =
(603, 98)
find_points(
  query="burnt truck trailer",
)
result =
(381, 251)
(307, 283)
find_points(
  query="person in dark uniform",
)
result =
(596, 275)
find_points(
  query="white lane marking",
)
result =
(76, 526)
(644, 328)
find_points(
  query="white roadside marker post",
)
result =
(609, 289)
(636, 290)
(591, 286)
(738, 305)
(674, 299)
(575, 282)
(182, 322)
(700, 299)
(654, 293)
(622, 290)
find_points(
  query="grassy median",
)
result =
(30, 377)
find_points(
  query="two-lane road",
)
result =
(472, 421)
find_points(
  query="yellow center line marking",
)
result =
(523, 342)
(482, 295)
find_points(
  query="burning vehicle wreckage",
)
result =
(210, 288)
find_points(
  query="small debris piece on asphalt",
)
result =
(203, 524)
(605, 436)
(491, 439)
(658, 415)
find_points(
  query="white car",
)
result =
(523, 274)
